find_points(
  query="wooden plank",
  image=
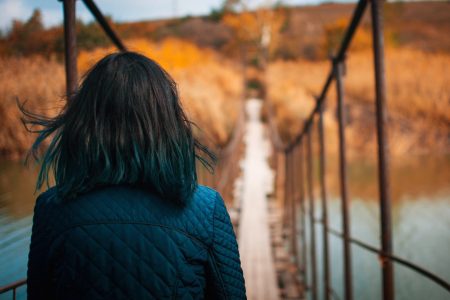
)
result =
(254, 235)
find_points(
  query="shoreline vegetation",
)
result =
(418, 101)
(210, 90)
(206, 55)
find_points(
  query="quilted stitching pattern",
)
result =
(226, 255)
(125, 243)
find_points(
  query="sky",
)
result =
(129, 10)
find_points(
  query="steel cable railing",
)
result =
(291, 163)
(397, 259)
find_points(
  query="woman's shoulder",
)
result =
(205, 194)
(211, 200)
(204, 198)
(131, 204)
(46, 198)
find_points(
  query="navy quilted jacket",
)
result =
(121, 242)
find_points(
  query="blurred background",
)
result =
(222, 52)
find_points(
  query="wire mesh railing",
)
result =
(294, 164)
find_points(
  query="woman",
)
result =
(126, 218)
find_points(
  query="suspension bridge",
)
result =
(269, 185)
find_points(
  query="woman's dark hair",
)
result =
(124, 125)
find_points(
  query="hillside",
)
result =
(205, 56)
(302, 32)
(421, 25)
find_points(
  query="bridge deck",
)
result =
(254, 235)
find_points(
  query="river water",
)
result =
(421, 224)
(420, 189)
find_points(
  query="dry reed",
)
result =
(418, 95)
(38, 82)
(210, 89)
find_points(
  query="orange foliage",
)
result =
(418, 99)
(171, 54)
(210, 89)
(334, 33)
(253, 27)
(35, 80)
(245, 25)
(361, 41)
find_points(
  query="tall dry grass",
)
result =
(418, 99)
(210, 89)
(39, 82)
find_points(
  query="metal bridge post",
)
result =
(326, 266)
(338, 67)
(311, 215)
(280, 177)
(383, 148)
(294, 207)
(302, 214)
(286, 191)
(289, 202)
(70, 46)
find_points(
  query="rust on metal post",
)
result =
(302, 213)
(279, 176)
(286, 188)
(289, 189)
(286, 191)
(383, 148)
(326, 265)
(311, 215)
(70, 46)
(338, 69)
(294, 207)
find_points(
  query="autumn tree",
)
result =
(23, 37)
(257, 31)
(90, 35)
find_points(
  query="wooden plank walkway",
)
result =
(254, 235)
